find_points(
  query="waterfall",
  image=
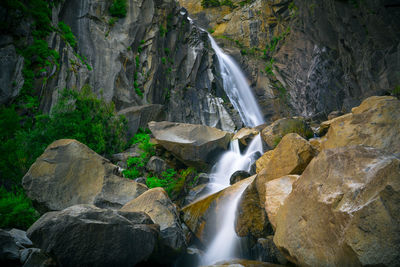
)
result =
(237, 88)
(242, 98)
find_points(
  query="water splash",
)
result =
(231, 161)
(237, 88)
(222, 247)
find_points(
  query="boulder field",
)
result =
(332, 200)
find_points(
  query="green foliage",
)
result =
(168, 181)
(228, 3)
(16, 210)
(163, 60)
(111, 22)
(136, 164)
(211, 30)
(396, 91)
(67, 33)
(118, 8)
(210, 3)
(77, 115)
(270, 66)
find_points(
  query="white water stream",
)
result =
(242, 98)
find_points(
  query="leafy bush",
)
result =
(78, 115)
(168, 181)
(67, 33)
(136, 164)
(118, 8)
(210, 3)
(294, 126)
(16, 210)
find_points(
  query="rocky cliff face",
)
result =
(154, 55)
(309, 57)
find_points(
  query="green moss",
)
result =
(210, 3)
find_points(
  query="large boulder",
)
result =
(262, 162)
(84, 235)
(276, 191)
(344, 210)
(376, 123)
(70, 173)
(203, 215)
(251, 219)
(9, 251)
(238, 176)
(195, 145)
(138, 116)
(273, 133)
(156, 203)
(291, 156)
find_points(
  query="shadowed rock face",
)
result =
(195, 145)
(84, 235)
(156, 203)
(332, 54)
(70, 173)
(173, 67)
(343, 210)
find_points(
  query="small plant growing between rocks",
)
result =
(118, 8)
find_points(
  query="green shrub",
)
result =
(16, 210)
(77, 115)
(67, 33)
(168, 181)
(118, 8)
(294, 126)
(210, 3)
(136, 164)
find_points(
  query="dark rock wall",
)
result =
(340, 52)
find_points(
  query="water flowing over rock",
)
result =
(70, 173)
(156, 203)
(344, 210)
(245, 135)
(80, 235)
(376, 123)
(202, 216)
(237, 88)
(195, 145)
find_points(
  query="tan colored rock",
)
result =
(69, 173)
(376, 123)
(245, 135)
(203, 215)
(194, 144)
(262, 162)
(291, 156)
(251, 217)
(343, 211)
(273, 133)
(316, 143)
(276, 191)
(156, 203)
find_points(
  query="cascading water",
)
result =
(237, 88)
(242, 98)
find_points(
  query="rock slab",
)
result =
(344, 210)
(84, 235)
